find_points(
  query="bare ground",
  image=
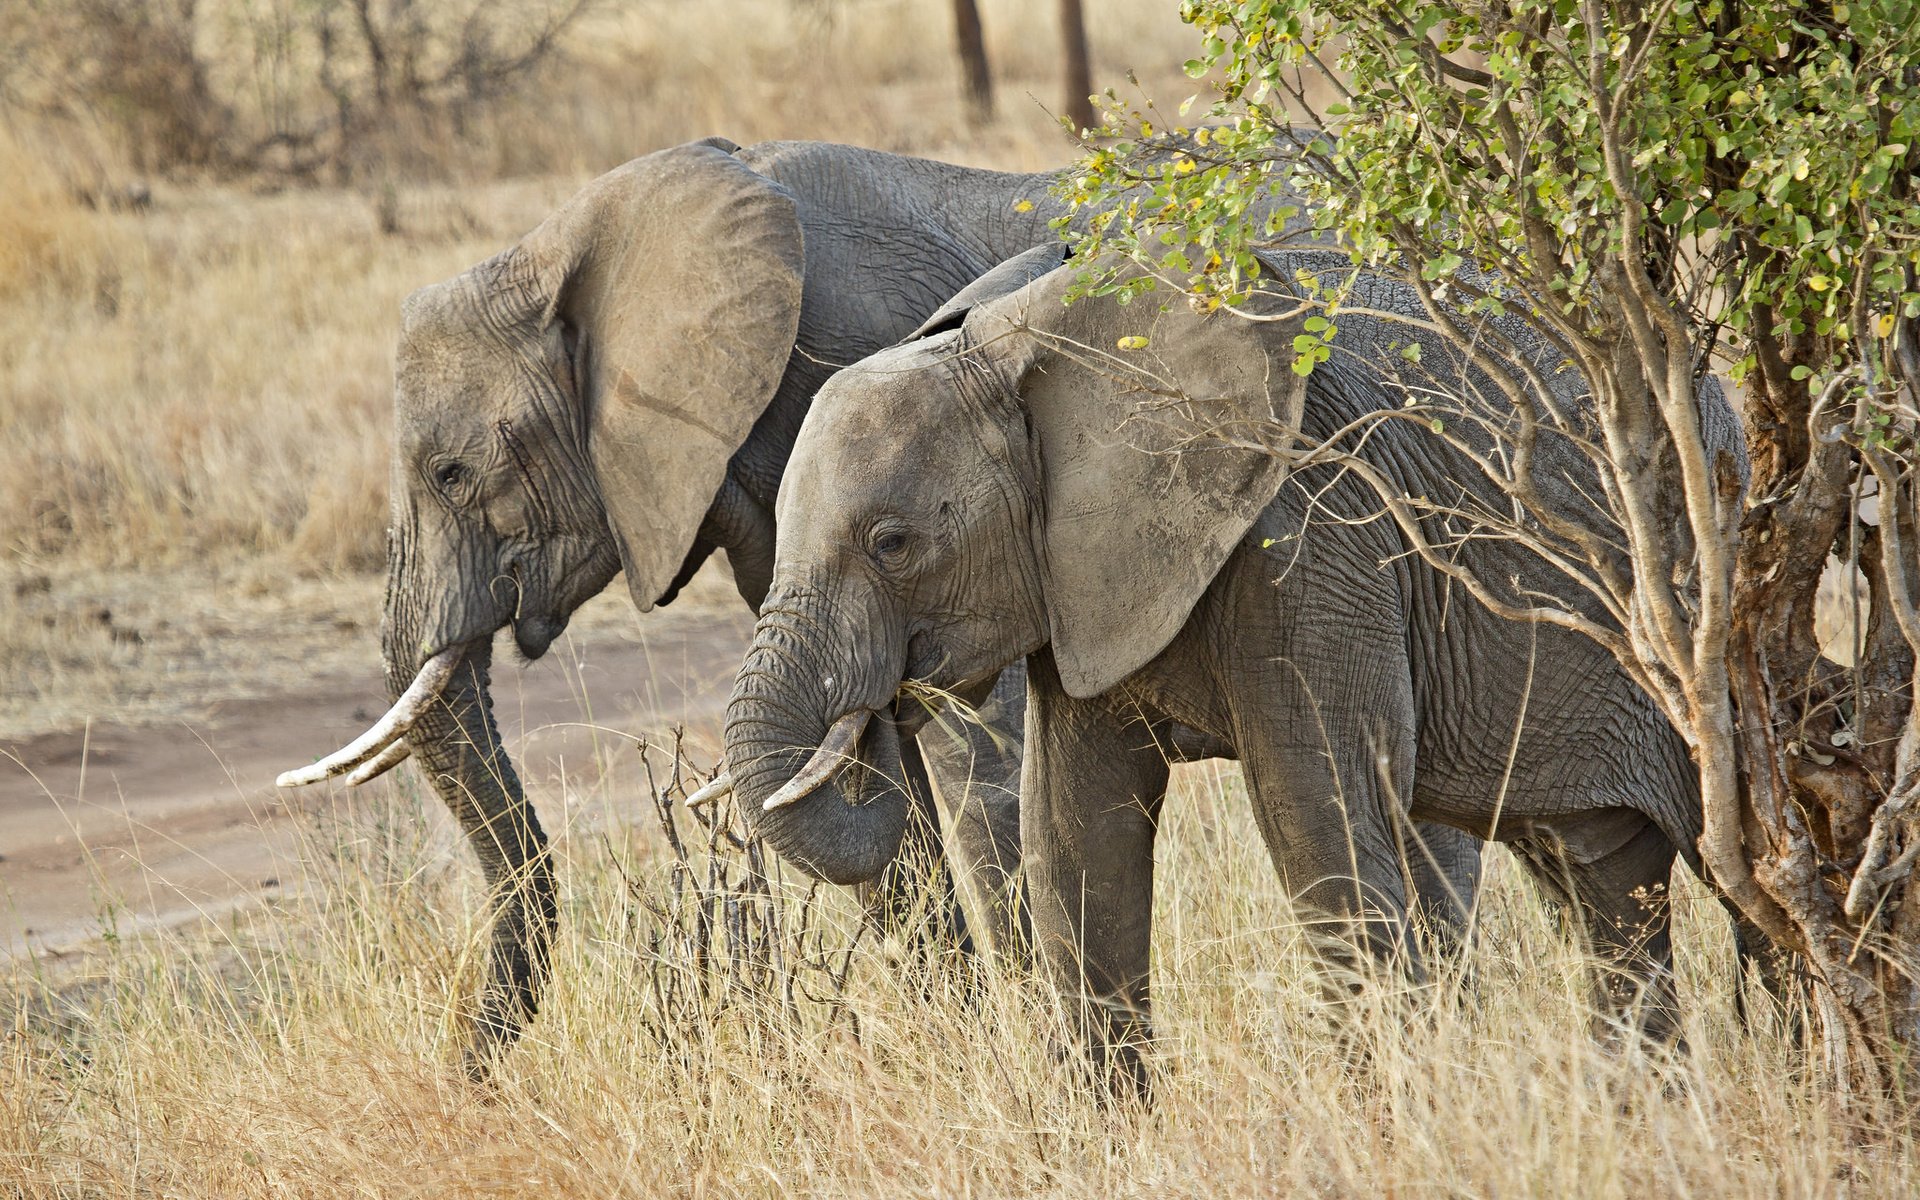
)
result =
(164, 811)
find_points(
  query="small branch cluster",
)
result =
(720, 941)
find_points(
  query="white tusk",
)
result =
(390, 758)
(424, 690)
(718, 788)
(835, 752)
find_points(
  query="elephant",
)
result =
(619, 391)
(1104, 491)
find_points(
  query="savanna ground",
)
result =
(193, 432)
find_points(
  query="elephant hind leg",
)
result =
(1610, 869)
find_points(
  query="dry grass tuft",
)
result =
(50, 240)
(309, 1051)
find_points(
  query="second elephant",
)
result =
(1010, 487)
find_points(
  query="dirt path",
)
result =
(130, 827)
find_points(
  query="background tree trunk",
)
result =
(1074, 65)
(976, 80)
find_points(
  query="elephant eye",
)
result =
(449, 474)
(887, 544)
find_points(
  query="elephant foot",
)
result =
(487, 1043)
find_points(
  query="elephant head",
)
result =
(565, 410)
(1024, 474)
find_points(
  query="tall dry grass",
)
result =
(309, 1051)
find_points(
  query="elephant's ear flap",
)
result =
(678, 277)
(1159, 439)
(1005, 279)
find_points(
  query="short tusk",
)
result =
(835, 752)
(718, 788)
(395, 754)
(423, 691)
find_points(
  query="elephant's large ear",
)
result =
(679, 275)
(1153, 462)
(1010, 276)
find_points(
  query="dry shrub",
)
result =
(311, 1050)
(134, 68)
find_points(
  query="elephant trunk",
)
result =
(456, 743)
(835, 777)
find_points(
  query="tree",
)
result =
(976, 80)
(350, 86)
(1658, 188)
(1074, 66)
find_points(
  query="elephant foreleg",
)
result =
(913, 899)
(975, 769)
(1091, 790)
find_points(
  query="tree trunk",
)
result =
(976, 80)
(1074, 66)
(1828, 749)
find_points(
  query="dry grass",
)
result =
(308, 1051)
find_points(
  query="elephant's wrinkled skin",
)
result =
(1016, 487)
(621, 389)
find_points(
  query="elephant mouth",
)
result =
(919, 701)
(533, 634)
